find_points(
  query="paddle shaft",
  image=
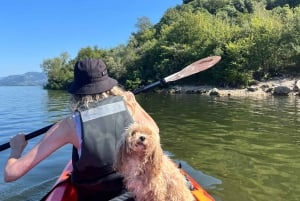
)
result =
(45, 129)
(191, 69)
(28, 136)
(149, 86)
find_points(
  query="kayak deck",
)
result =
(63, 190)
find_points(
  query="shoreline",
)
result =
(273, 87)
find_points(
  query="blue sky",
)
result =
(35, 30)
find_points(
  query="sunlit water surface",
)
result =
(239, 149)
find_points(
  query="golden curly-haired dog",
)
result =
(148, 173)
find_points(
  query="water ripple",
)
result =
(240, 149)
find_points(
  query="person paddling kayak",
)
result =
(101, 110)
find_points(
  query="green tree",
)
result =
(59, 71)
(276, 3)
(254, 43)
(118, 61)
(243, 6)
(91, 52)
(289, 46)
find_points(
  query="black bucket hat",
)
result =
(91, 77)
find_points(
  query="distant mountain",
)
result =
(27, 79)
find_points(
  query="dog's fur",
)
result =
(148, 173)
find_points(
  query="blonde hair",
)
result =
(83, 102)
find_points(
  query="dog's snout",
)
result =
(142, 138)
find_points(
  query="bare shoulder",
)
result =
(63, 132)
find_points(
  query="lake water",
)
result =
(239, 149)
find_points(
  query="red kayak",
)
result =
(63, 190)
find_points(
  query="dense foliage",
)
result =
(256, 39)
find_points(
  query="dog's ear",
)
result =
(155, 160)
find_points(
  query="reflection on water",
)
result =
(251, 145)
(56, 103)
(239, 149)
(26, 109)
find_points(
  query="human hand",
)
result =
(17, 144)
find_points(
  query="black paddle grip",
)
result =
(28, 136)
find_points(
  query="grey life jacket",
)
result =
(102, 127)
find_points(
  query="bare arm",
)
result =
(61, 133)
